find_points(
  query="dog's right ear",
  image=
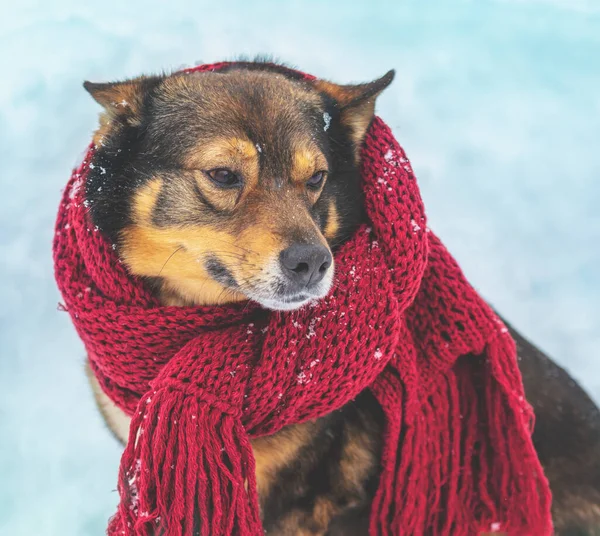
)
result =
(356, 103)
(123, 99)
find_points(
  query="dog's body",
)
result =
(237, 185)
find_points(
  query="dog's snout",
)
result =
(305, 264)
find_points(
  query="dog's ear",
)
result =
(123, 99)
(356, 103)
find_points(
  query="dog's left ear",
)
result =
(356, 103)
(123, 99)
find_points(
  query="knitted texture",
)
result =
(401, 320)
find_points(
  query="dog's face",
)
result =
(231, 185)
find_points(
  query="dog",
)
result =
(236, 185)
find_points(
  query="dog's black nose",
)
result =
(305, 264)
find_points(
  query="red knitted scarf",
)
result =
(401, 320)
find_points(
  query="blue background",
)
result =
(496, 103)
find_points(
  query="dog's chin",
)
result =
(291, 302)
(283, 304)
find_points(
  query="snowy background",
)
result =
(496, 102)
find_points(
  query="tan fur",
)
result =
(358, 121)
(307, 161)
(273, 453)
(333, 222)
(225, 152)
(323, 511)
(314, 523)
(357, 460)
(145, 200)
(155, 252)
(116, 420)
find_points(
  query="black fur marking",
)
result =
(114, 175)
(220, 273)
(343, 182)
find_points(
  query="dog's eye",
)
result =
(225, 178)
(316, 180)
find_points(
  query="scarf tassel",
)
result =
(187, 470)
(463, 464)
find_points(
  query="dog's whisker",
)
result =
(169, 258)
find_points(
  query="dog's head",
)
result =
(229, 185)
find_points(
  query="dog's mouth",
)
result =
(273, 288)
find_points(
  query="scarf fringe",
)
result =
(187, 470)
(465, 464)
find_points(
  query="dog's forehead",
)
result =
(239, 99)
(282, 118)
(222, 94)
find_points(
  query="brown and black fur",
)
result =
(150, 192)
